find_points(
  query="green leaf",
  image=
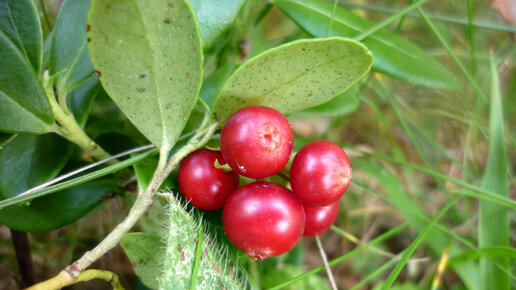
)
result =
(28, 161)
(23, 104)
(498, 252)
(493, 219)
(146, 254)
(215, 270)
(394, 55)
(294, 76)
(69, 46)
(149, 59)
(76, 181)
(19, 23)
(213, 84)
(215, 18)
(65, 207)
(343, 104)
(82, 97)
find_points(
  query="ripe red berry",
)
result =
(206, 186)
(320, 218)
(256, 141)
(320, 173)
(263, 219)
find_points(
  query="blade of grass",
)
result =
(503, 252)
(454, 57)
(472, 46)
(375, 241)
(79, 180)
(198, 254)
(412, 248)
(493, 221)
(389, 20)
(486, 194)
(452, 19)
(377, 272)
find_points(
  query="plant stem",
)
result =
(107, 276)
(325, 262)
(68, 127)
(71, 273)
(23, 257)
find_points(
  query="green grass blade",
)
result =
(76, 181)
(389, 20)
(492, 252)
(493, 221)
(198, 255)
(447, 47)
(375, 241)
(376, 273)
(412, 248)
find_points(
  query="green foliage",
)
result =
(215, 18)
(69, 53)
(493, 219)
(149, 59)
(215, 270)
(294, 76)
(343, 104)
(23, 105)
(146, 253)
(30, 160)
(394, 55)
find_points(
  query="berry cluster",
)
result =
(262, 218)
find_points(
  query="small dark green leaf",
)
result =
(294, 76)
(215, 17)
(69, 46)
(394, 55)
(146, 253)
(23, 104)
(82, 97)
(148, 57)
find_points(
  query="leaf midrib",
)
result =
(164, 137)
(305, 72)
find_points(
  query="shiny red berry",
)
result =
(320, 218)
(263, 219)
(256, 141)
(320, 173)
(204, 185)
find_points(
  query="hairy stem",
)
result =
(71, 273)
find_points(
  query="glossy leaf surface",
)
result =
(294, 76)
(148, 57)
(69, 53)
(215, 17)
(394, 55)
(23, 105)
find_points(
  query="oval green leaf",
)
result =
(215, 18)
(394, 55)
(69, 46)
(23, 104)
(148, 57)
(294, 76)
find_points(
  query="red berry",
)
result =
(320, 218)
(206, 186)
(320, 173)
(256, 141)
(263, 219)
